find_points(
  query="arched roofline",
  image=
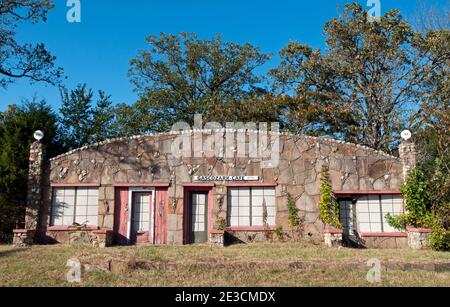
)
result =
(161, 134)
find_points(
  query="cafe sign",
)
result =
(226, 178)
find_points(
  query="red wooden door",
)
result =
(161, 209)
(121, 216)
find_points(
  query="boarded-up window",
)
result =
(75, 206)
(251, 206)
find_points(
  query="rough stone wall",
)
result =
(418, 239)
(146, 159)
(35, 185)
(386, 242)
(408, 157)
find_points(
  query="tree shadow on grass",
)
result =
(12, 251)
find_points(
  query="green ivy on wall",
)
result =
(329, 207)
(294, 220)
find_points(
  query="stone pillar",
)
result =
(419, 238)
(35, 182)
(407, 151)
(333, 237)
(23, 238)
(217, 238)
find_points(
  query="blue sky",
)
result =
(98, 50)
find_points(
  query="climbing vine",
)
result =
(294, 220)
(329, 208)
(221, 223)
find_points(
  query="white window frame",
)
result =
(250, 199)
(380, 211)
(76, 189)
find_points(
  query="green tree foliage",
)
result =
(416, 196)
(266, 108)
(17, 125)
(433, 116)
(328, 206)
(361, 87)
(427, 205)
(32, 62)
(180, 76)
(82, 122)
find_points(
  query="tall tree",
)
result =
(363, 85)
(81, 121)
(17, 125)
(179, 76)
(32, 62)
(434, 108)
(432, 121)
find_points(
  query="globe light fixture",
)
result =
(38, 135)
(406, 135)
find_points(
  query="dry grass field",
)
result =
(298, 265)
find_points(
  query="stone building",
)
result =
(134, 190)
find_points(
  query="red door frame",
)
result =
(188, 190)
(121, 212)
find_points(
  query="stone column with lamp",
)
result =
(25, 237)
(417, 237)
(407, 152)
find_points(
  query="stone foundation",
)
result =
(94, 237)
(217, 238)
(333, 238)
(248, 236)
(23, 238)
(388, 242)
(104, 238)
(419, 238)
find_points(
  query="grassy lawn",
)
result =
(240, 265)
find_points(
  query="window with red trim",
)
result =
(74, 206)
(251, 207)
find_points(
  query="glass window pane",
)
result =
(257, 201)
(244, 191)
(257, 221)
(364, 217)
(67, 221)
(244, 211)
(363, 204)
(375, 227)
(233, 192)
(375, 217)
(91, 210)
(244, 221)
(82, 192)
(258, 191)
(364, 227)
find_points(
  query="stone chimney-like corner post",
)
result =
(408, 157)
(25, 237)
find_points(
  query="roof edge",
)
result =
(160, 134)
